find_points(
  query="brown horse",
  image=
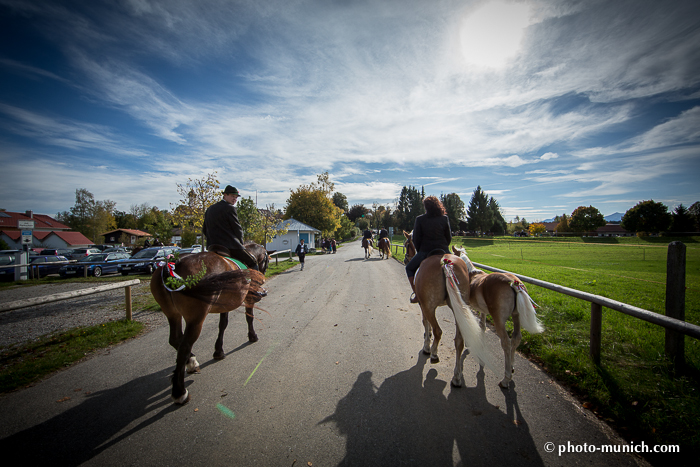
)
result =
(408, 248)
(223, 288)
(384, 246)
(444, 280)
(367, 245)
(501, 295)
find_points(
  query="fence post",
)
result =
(127, 299)
(675, 302)
(596, 332)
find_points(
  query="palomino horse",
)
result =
(221, 289)
(384, 246)
(444, 280)
(367, 245)
(501, 295)
(408, 248)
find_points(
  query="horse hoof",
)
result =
(504, 384)
(456, 382)
(184, 399)
(435, 359)
(252, 338)
(219, 355)
(192, 366)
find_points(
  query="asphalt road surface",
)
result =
(337, 378)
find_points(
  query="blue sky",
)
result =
(546, 104)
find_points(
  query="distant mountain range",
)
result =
(614, 218)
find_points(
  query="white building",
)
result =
(295, 232)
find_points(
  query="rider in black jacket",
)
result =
(222, 227)
(430, 232)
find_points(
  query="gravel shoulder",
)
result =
(28, 324)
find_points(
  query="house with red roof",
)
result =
(126, 236)
(47, 231)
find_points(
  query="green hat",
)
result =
(231, 191)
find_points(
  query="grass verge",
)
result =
(25, 364)
(635, 388)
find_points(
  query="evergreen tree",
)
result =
(481, 216)
(681, 220)
(455, 208)
(499, 223)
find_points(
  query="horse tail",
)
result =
(246, 284)
(466, 321)
(526, 309)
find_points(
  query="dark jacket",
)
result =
(222, 227)
(430, 233)
(302, 249)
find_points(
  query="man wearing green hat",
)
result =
(222, 227)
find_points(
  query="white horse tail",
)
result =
(466, 321)
(526, 309)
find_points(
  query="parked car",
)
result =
(80, 253)
(100, 264)
(149, 257)
(7, 258)
(46, 264)
(56, 252)
(192, 249)
(114, 249)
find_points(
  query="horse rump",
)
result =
(229, 288)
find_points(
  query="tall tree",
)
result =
(250, 217)
(694, 211)
(341, 201)
(563, 225)
(586, 219)
(357, 211)
(681, 220)
(455, 208)
(499, 223)
(480, 215)
(647, 216)
(312, 205)
(88, 216)
(196, 196)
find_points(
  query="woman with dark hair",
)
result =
(430, 232)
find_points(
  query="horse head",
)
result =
(462, 253)
(409, 248)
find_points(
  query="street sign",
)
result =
(23, 224)
(26, 237)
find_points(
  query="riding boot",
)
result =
(414, 299)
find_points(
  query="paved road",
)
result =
(337, 378)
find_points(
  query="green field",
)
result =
(634, 388)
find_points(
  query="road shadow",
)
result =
(84, 431)
(409, 421)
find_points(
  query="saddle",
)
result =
(226, 254)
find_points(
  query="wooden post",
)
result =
(127, 299)
(85, 271)
(596, 331)
(675, 302)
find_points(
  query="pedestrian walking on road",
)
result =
(301, 251)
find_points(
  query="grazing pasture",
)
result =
(634, 388)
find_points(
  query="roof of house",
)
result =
(611, 228)
(73, 238)
(138, 233)
(293, 224)
(8, 220)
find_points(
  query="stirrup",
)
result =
(414, 299)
